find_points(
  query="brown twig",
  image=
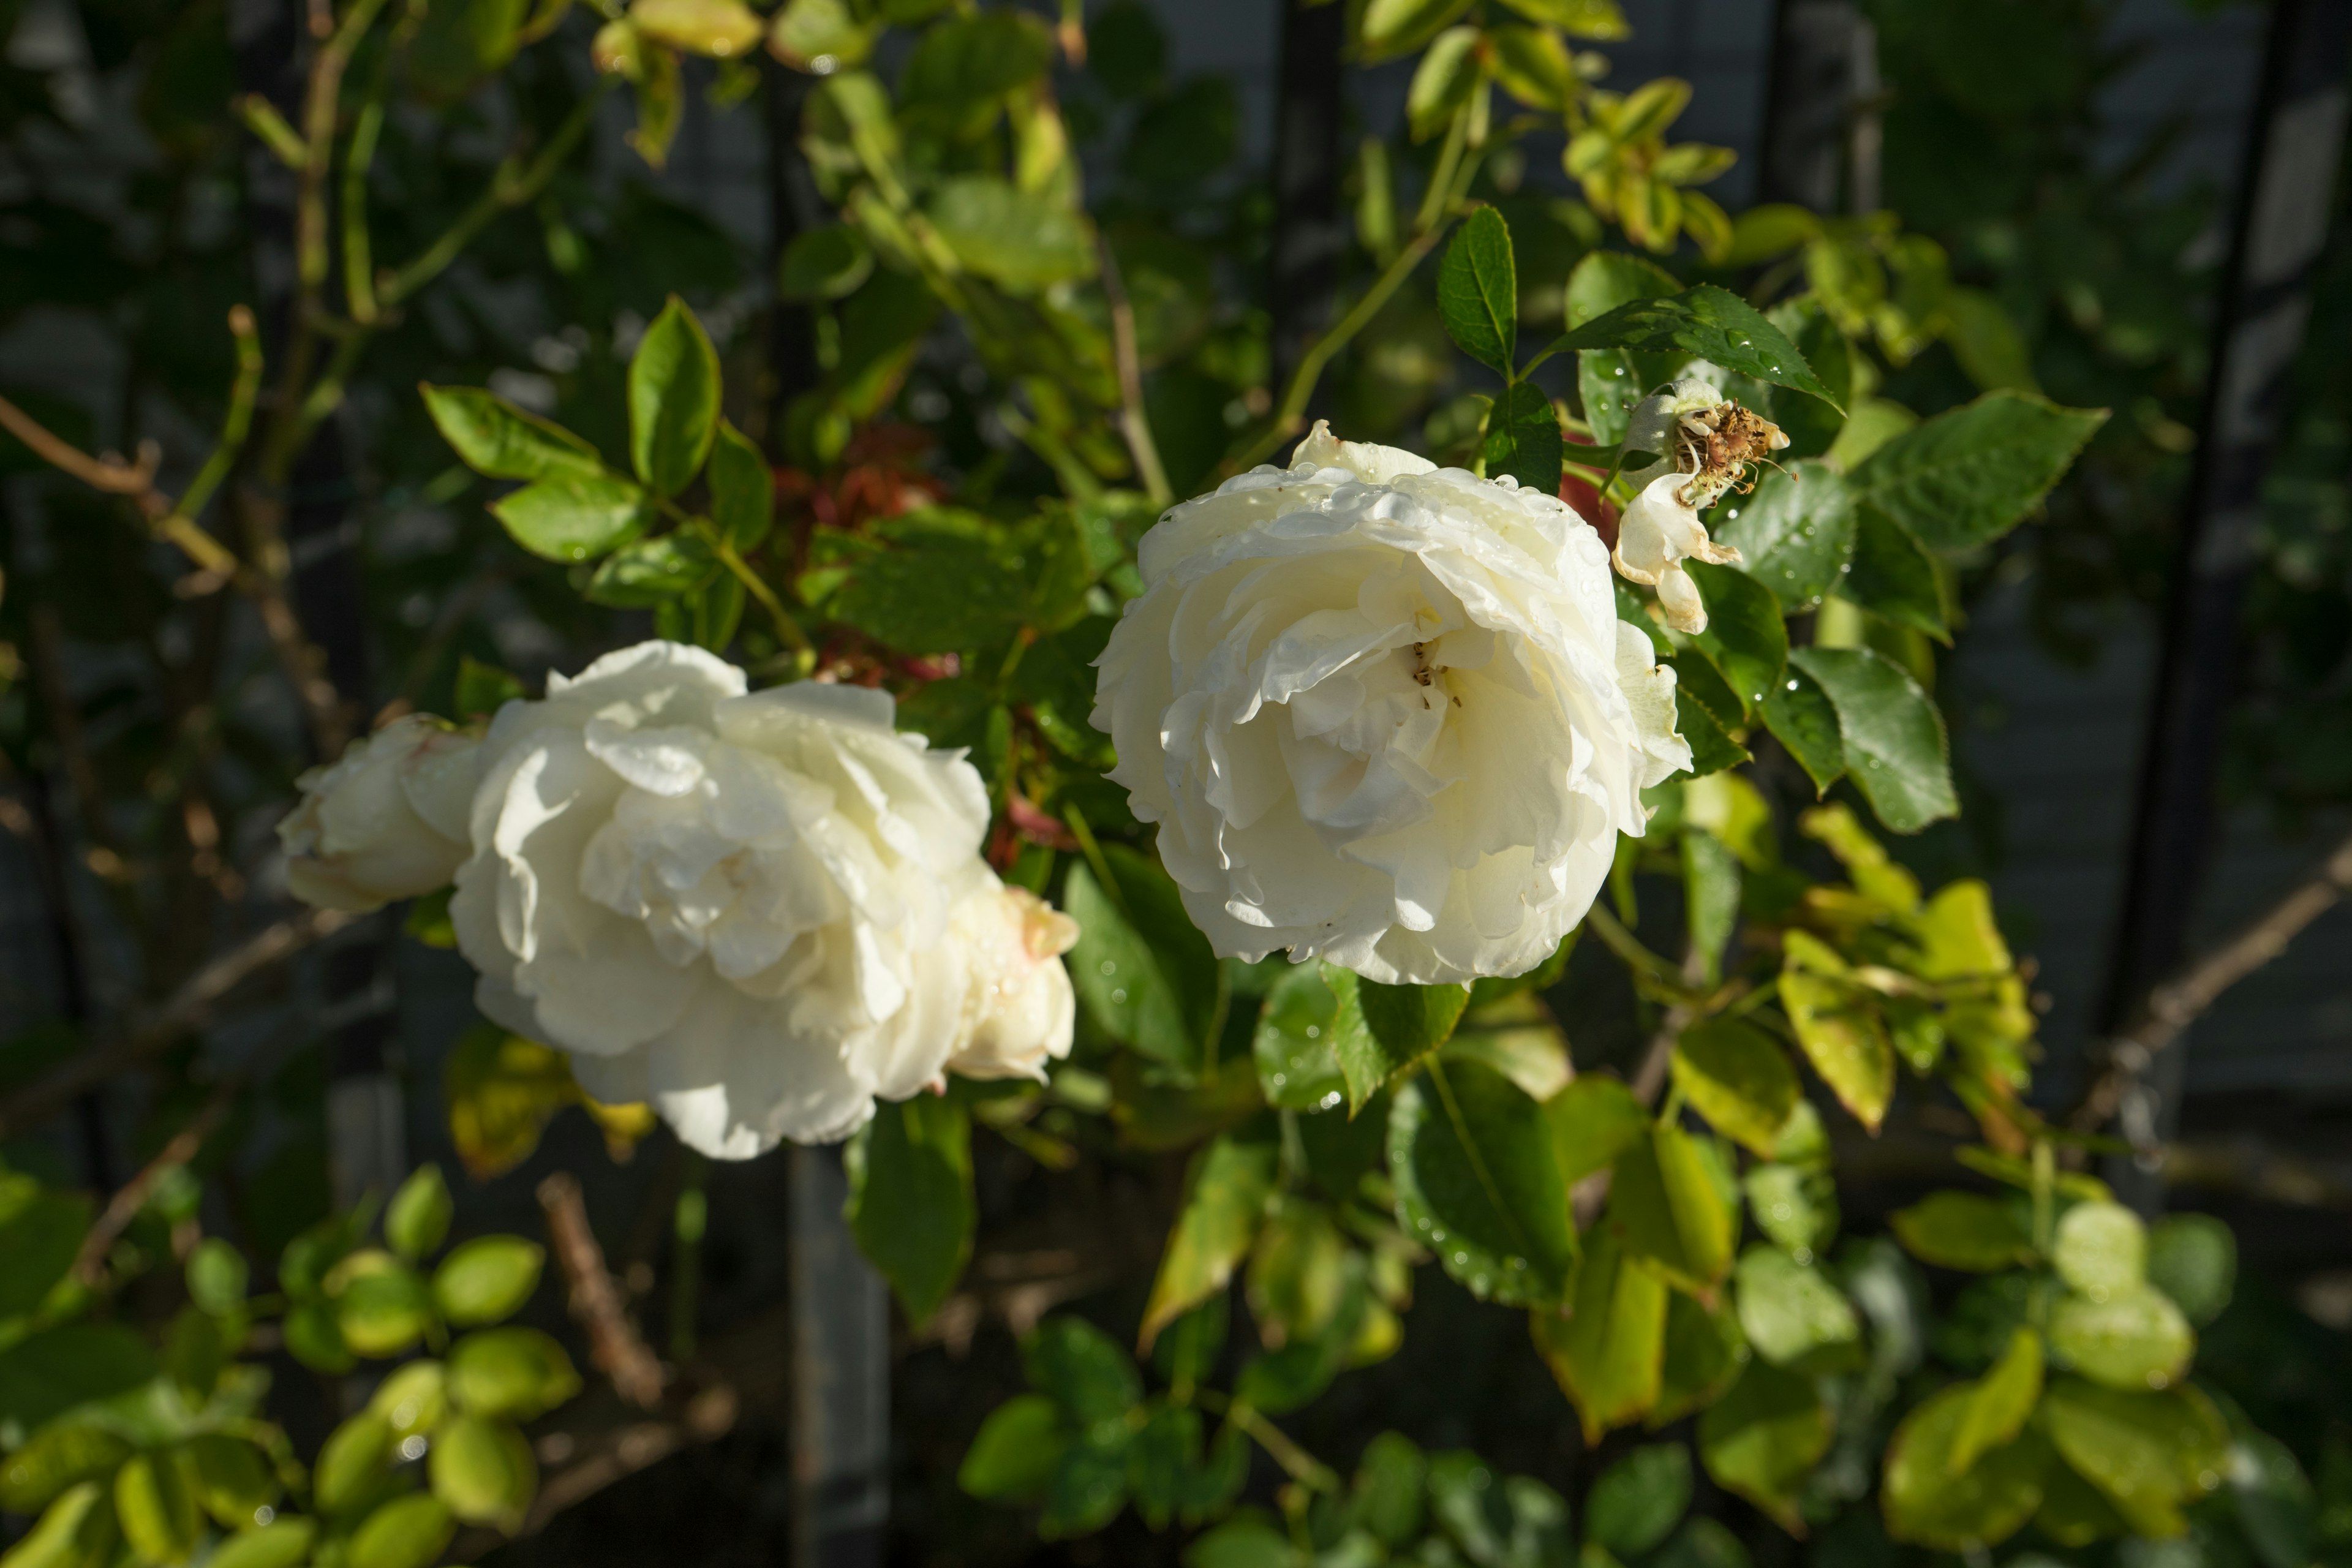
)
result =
(90, 1263)
(108, 473)
(595, 1298)
(2180, 1001)
(154, 1028)
(1133, 423)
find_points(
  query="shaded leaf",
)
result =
(1477, 1183)
(1478, 291)
(1607, 1354)
(1225, 1195)
(910, 1200)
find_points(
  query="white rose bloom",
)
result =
(1660, 530)
(385, 821)
(1384, 714)
(1019, 1008)
(757, 912)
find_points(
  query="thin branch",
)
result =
(90, 1263)
(185, 1008)
(2178, 1001)
(108, 473)
(1133, 423)
(595, 1298)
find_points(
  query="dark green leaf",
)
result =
(495, 438)
(574, 518)
(2275, 1505)
(1083, 1369)
(1505, 1522)
(824, 263)
(1343, 1147)
(1638, 1501)
(40, 1235)
(1966, 478)
(1297, 1064)
(1384, 1031)
(743, 490)
(1022, 239)
(1706, 323)
(673, 400)
(911, 1201)
(1712, 747)
(1478, 1183)
(1964, 1230)
(1744, 639)
(55, 1369)
(1523, 438)
(2147, 1453)
(482, 688)
(1797, 531)
(1801, 717)
(1477, 292)
(1933, 1502)
(1894, 577)
(1892, 734)
(2193, 1258)
(1810, 424)
(651, 572)
(1144, 972)
(968, 60)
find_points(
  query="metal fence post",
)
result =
(2279, 227)
(841, 1377)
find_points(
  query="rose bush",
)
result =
(1384, 714)
(386, 820)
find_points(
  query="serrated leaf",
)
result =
(1607, 1354)
(1712, 748)
(1478, 1184)
(1225, 1195)
(1706, 323)
(493, 437)
(1796, 531)
(1801, 717)
(1478, 291)
(1966, 478)
(1737, 1077)
(1892, 734)
(742, 490)
(1384, 1031)
(910, 1199)
(1893, 576)
(1744, 639)
(574, 518)
(1523, 439)
(673, 400)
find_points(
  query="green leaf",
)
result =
(1593, 1121)
(1795, 1206)
(1706, 323)
(1801, 717)
(54, 1458)
(826, 262)
(384, 1310)
(1788, 1310)
(1964, 1231)
(2276, 1508)
(966, 61)
(1636, 1502)
(1601, 19)
(1297, 1063)
(1664, 1208)
(911, 1201)
(1761, 1439)
(1810, 424)
(1088, 1486)
(350, 1462)
(1893, 738)
(2128, 1339)
(514, 1372)
(156, 1509)
(1744, 639)
(1478, 291)
(1607, 1354)
(937, 579)
(1477, 1183)
(1712, 748)
(1932, 1501)
(52, 1370)
(1841, 1035)
(1384, 1030)
(1387, 28)
(1506, 1520)
(406, 1532)
(1966, 478)
(648, 573)
(673, 400)
(2100, 1250)
(1341, 1150)
(1025, 240)
(41, 1234)
(1711, 881)
(492, 437)
(2000, 1403)
(1705, 1352)
(315, 1338)
(1226, 1193)
(280, 1543)
(1083, 1369)
(574, 517)
(1523, 438)
(1450, 69)
(413, 1399)
(1894, 577)
(2147, 1453)
(1736, 1076)
(481, 690)
(483, 1472)
(742, 490)
(2193, 1258)
(487, 1278)
(416, 1221)
(1150, 982)
(1247, 1540)
(1796, 531)
(1012, 1457)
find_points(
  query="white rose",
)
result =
(1019, 1007)
(745, 909)
(1660, 530)
(385, 821)
(1384, 714)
